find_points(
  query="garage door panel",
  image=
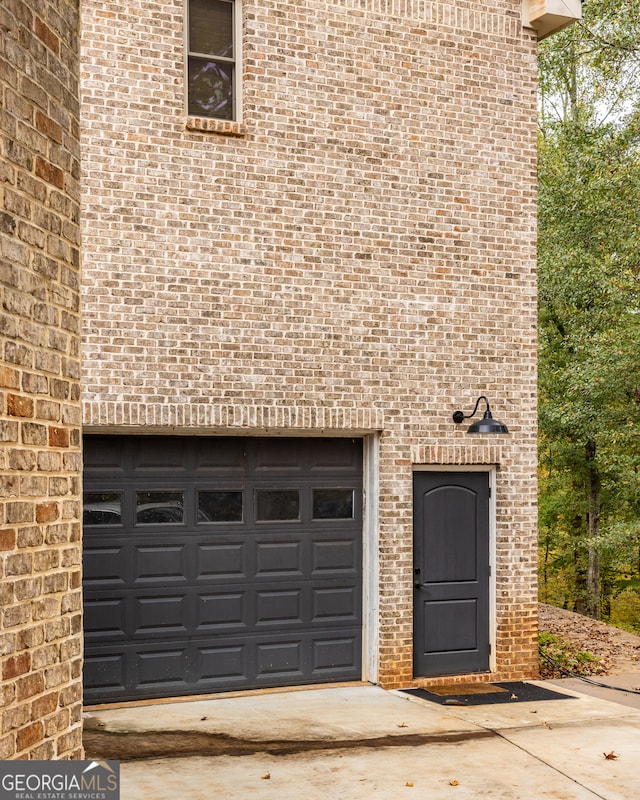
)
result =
(223, 561)
(147, 614)
(197, 594)
(284, 459)
(280, 660)
(161, 666)
(162, 456)
(334, 455)
(274, 558)
(222, 456)
(105, 674)
(335, 554)
(280, 607)
(335, 655)
(222, 611)
(106, 618)
(106, 565)
(111, 459)
(222, 666)
(161, 615)
(335, 604)
(162, 564)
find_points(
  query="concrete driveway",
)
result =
(356, 742)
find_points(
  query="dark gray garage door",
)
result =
(213, 564)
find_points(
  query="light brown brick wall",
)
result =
(359, 256)
(40, 417)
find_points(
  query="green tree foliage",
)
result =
(589, 308)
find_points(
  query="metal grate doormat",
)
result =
(484, 694)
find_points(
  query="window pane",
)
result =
(333, 503)
(219, 506)
(278, 505)
(210, 89)
(159, 508)
(102, 508)
(211, 27)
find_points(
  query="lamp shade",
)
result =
(487, 425)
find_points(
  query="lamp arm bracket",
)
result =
(459, 416)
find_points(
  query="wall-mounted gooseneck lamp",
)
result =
(485, 425)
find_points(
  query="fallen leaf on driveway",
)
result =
(266, 777)
(610, 756)
(408, 783)
(453, 783)
(403, 725)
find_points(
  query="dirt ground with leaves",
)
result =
(615, 650)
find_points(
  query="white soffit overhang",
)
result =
(550, 16)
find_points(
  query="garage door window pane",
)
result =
(219, 506)
(159, 508)
(277, 505)
(102, 508)
(333, 503)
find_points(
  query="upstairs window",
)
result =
(213, 59)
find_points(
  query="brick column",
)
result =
(40, 460)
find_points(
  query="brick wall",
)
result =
(358, 256)
(40, 617)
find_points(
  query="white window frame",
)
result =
(237, 61)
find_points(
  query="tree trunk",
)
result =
(579, 567)
(593, 566)
(545, 570)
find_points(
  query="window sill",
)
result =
(220, 126)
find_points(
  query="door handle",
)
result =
(419, 585)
